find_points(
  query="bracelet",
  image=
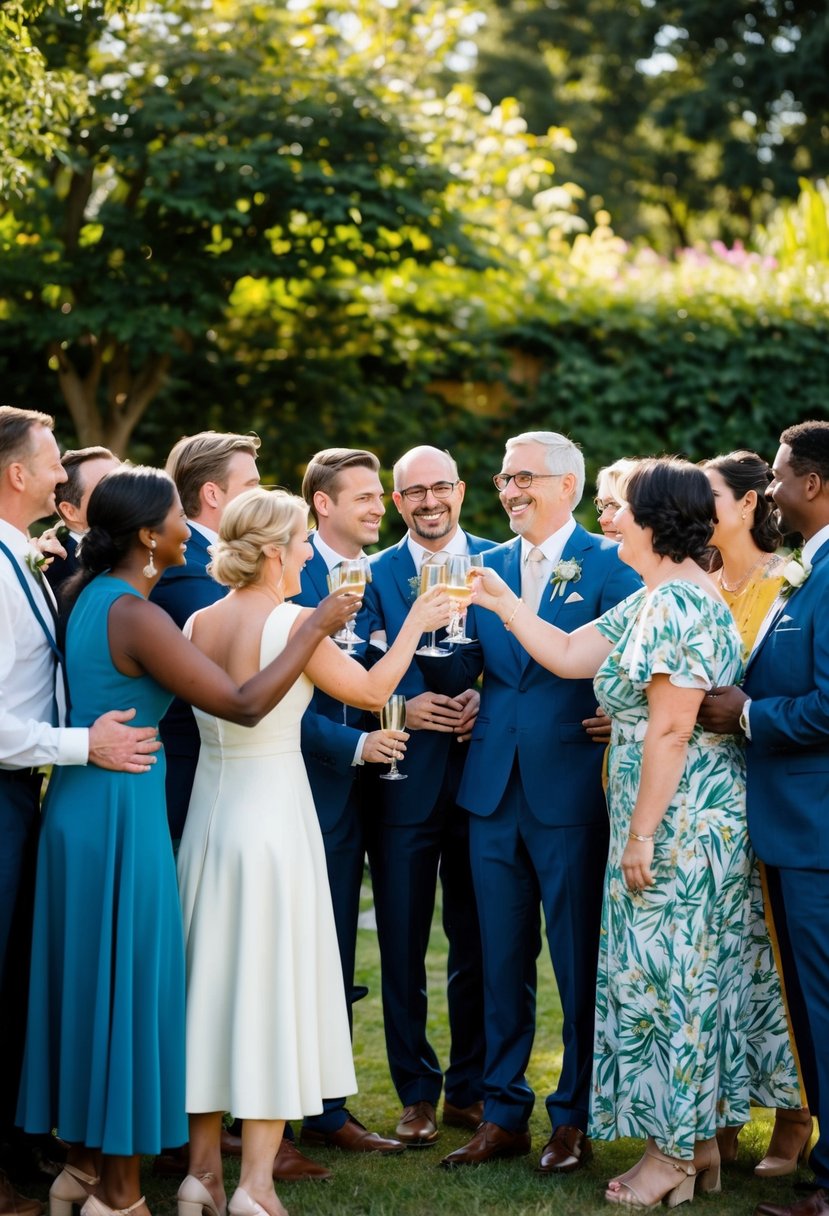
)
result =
(509, 621)
(635, 836)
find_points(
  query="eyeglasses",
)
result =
(607, 504)
(441, 489)
(523, 480)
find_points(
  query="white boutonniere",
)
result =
(36, 561)
(414, 588)
(564, 572)
(795, 572)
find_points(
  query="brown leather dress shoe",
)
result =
(489, 1142)
(352, 1137)
(567, 1150)
(417, 1127)
(290, 1165)
(463, 1116)
(814, 1205)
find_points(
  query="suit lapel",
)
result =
(550, 606)
(511, 574)
(789, 603)
(403, 569)
(317, 572)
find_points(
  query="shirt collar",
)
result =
(553, 546)
(458, 546)
(330, 556)
(19, 542)
(814, 543)
(209, 535)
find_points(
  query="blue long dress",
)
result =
(104, 1060)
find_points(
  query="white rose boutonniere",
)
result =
(564, 572)
(36, 561)
(795, 573)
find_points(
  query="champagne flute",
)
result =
(432, 574)
(393, 717)
(353, 573)
(460, 593)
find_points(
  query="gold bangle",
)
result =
(511, 618)
(635, 836)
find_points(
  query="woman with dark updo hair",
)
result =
(749, 575)
(104, 1059)
(671, 987)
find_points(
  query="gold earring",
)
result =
(149, 569)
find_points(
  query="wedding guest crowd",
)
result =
(690, 975)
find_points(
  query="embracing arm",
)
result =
(341, 677)
(672, 714)
(142, 633)
(573, 656)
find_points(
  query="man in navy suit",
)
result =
(84, 468)
(783, 711)
(418, 828)
(538, 823)
(345, 495)
(209, 470)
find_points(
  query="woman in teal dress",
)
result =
(670, 1046)
(104, 1061)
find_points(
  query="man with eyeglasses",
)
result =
(418, 829)
(538, 820)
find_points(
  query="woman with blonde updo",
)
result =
(610, 483)
(267, 1025)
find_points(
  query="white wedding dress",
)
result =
(267, 1029)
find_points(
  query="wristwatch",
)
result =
(744, 727)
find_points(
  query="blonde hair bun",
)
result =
(252, 520)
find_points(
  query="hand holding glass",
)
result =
(393, 717)
(433, 575)
(354, 574)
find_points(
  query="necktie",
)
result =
(532, 578)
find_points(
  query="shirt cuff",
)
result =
(73, 745)
(745, 721)
(358, 751)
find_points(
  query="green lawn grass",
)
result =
(413, 1184)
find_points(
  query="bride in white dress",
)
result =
(267, 1026)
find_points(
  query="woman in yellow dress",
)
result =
(748, 573)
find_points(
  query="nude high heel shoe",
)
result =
(194, 1199)
(707, 1165)
(97, 1207)
(773, 1164)
(727, 1138)
(683, 1192)
(72, 1186)
(242, 1205)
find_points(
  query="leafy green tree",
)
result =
(690, 117)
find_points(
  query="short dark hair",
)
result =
(809, 442)
(324, 469)
(72, 490)
(122, 503)
(197, 459)
(674, 499)
(743, 471)
(16, 428)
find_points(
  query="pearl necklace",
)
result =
(741, 583)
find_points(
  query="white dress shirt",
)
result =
(458, 546)
(552, 548)
(27, 672)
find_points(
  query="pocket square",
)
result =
(573, 598)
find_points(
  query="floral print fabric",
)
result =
(681, 1045)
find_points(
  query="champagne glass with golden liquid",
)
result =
(393, 717)
(433, 574)
(460, 593)
(354, 574)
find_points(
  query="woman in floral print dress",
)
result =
(671, 990)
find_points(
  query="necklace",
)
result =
(741, 583)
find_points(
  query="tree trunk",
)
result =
(128, 395)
